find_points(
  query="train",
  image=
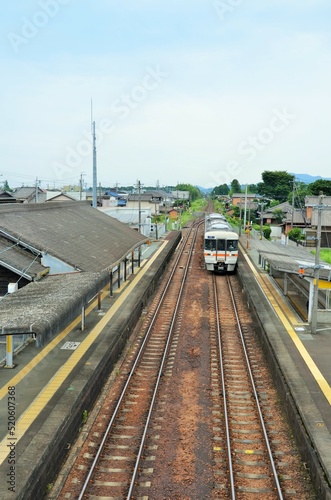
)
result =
(220, 244)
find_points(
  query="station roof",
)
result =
(43, 307)
(74, 233)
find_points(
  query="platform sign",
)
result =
(71, 346)
(326, 285)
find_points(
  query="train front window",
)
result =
(221, 245)
(232, 245)
(210, 245)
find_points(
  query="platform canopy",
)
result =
(290, 259)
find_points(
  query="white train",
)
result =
(220, 244)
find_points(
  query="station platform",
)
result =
(45, 398)
(300, 360)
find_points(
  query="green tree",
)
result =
(320, 185)
(252, 188)
(279, 215)
(276, 184)
(235, 186)
(223, 189)
(300, 191)
(6, 187)
(266, 232)
(295, 234)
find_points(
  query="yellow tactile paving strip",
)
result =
(39, 403)
(286, 317)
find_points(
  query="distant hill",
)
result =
(308, 179)
(204, 190)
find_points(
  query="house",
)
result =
(145, 201)
(154, 196)
(7, 197)
(239, 198)
(26, 194)
(131, 217)
(271, 215)
(115, 199)
(316, 210)
(60, 197)
(295, 218)
(73, 194)
(173, 214)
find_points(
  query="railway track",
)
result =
(187, 426)
(121, 450)
(251, 462)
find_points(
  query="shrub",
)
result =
(267, 232)
(295, 234)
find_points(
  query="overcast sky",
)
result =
(198, 91)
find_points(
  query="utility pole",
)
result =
(240, 210)
(100, 193)
(245, 208)
(81, 185)
(139, 207)
(292, 218)
(94, 189)
(37, 189)
(262, 205)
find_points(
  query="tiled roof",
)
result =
(24, 192)
(44, 306)
(75, 233)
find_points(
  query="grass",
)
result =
(325, 254)
(186, 215)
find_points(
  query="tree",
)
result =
(301, 190)
(276, 184)
(6, 187)
(267, 232)
(223, 189)
(295, 234)
(235, 186)
(320, 185)
(279, 215)
(252, 188)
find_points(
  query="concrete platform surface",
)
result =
(302, 360)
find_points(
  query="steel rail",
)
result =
(264, 430)
(224, 391)
(165, 354)
(137, 360)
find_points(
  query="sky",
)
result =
(199, 91)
